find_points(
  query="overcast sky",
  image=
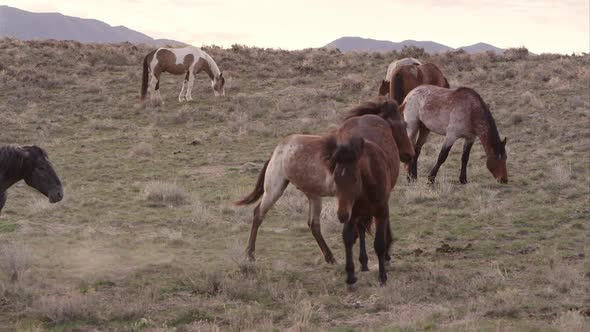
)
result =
(560, 26)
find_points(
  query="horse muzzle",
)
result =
(344, 217)
(405, 157)
(56, 196)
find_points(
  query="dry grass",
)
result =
(165, 193)
(114, 256)
(15, 260)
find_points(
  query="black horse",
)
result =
(29, 163)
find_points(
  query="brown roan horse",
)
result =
(454, 113)
(301, 160)
(364, 162)
(29, 163)
(407, 78)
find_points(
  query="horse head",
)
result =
(496, 164)
(344, 155)
(39, 173)
(384, 88)
(218, 85)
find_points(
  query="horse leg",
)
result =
(2, 200)
(269, 198)
(189, 90)
(442, 156)
(413, 131)
(381, 242)
(422, 137)
(181, 95)
(155, 96)
(362, 225)
(315, 211)
(388, 240)
(464, 159)
(348, 238)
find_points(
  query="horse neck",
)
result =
(487, 133)
(210, 67)
(11, 170)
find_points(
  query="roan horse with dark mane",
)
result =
(309, 163)
(187, 61)
(407, 78)
(28, 163)
(454, 113)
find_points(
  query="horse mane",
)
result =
(382, 106)
(11, 160)
(499, 148)
(212, 64)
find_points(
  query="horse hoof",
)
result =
(330, 260)
(250, 258)
(463, 181)
(351, 280)
(364, 268)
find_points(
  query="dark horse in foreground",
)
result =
(363, 158)
(29, 163)
(309, 163)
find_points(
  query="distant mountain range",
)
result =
(346, 44)
(24, 25)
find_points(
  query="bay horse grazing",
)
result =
(454, 113)
(187, 61)
(29, 163)
(391, 69)
(301, 160)
(409, 77)
(365, 172)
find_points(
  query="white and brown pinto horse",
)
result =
(453, 113)
(392, 69)
(187, 61)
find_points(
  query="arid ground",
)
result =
(147, 237)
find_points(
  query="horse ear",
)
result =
(504, 141)
(220, 75)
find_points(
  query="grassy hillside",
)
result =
(147, 238)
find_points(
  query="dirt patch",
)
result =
(447, 249)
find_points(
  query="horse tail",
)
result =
(398, 86)
(446, 83)
(258, 189)
(145, 76)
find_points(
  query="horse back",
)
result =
(302, 161)
(432, 75)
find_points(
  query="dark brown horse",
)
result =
(28, 163)
(364, 162)
(454, 113)
(301, 160)
(409, 77)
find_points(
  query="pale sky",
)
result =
(558, 26)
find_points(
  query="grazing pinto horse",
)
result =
(362, 155)
(187, 61)
(28, 163)
(455, 113)
(408, 77)
(393, 67)
(301, 160)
